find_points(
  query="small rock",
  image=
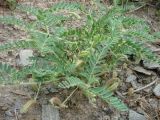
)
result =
(51, 89)
(49, 113)
(150, 65)
(134, 84)
(4, 108)
(9, 113)
(23, 57)
(108, 110)
(45, 91)
(153, 103)
(156, 90)
(142, 70)
(133, 115)
(131, 78)
(32, 17)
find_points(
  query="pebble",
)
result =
(156, 91)
(32, 17)
(133, 115)
(52, 90)
(49, 89)
(46, 91)
(131, 78)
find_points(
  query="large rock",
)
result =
(133, 115)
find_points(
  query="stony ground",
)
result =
(139, 89)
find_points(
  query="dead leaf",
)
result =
(130, 91)
(27, 105)
(114, 86)
(34, 85)
(57, 102)
(115, 74)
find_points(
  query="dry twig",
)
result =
(139, 89)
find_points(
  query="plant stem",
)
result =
(69, 96)
(139, 89)
(39, 86)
